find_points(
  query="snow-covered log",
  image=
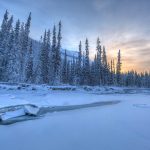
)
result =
(18, 111)
(12, 114)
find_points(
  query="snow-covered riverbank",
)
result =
(41, 96)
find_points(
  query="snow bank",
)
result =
(43, 95)
(18, 111)
(63, 88)
(12, 114)
(31, 110)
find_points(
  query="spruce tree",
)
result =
(53, 56)
(7, 46)
(29, 65)
(24, 43)
(48, 47)
(16, 53)
(118, 68)
(44, 61)
(73, 72)
(105, 67)
(99, 62)
(79, 66)
(111, 73)
(10, 58)
(64, 70)
(3, 32)
(4, 39)
(58, 56)
(87, 63)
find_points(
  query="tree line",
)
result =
(24, 60)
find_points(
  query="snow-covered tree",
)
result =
(53, 56)
(118, 68)
(98, 62)
(9, 72)
(48, 47)
(44, 59)
(64, 69)
(29, 65)
(24, 43)
(79, 64)
(87, 63)
(105, 67)
(4, 39)
(58, 57)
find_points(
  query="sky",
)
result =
(120, 24)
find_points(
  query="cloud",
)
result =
(135, 53)
(120, 24)
(100, 5)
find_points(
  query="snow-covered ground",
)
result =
(45, 96)
(124, 126)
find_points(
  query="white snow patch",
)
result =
(12, 114)
(31, 110)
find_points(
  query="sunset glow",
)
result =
(123, 25)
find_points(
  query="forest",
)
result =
(25, 60)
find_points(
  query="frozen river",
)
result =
(124, 126)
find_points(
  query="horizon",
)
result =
(117, 29)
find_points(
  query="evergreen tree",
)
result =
(29, 65)
(7, 46)
(58, 56)
(87, 63)
(111, 73)
(64, 70)
(10, 58)
(24, 43)
(73, 72)
(68, 72)
(21, 52)
(93, 72)
(79, 67)
(53, 56)
(44, 61)
(16, 53)
(4, 38)
(83, 69)
(48, 47)
(98, 62)
(3, 33)
(105, 67)
(118, 68)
